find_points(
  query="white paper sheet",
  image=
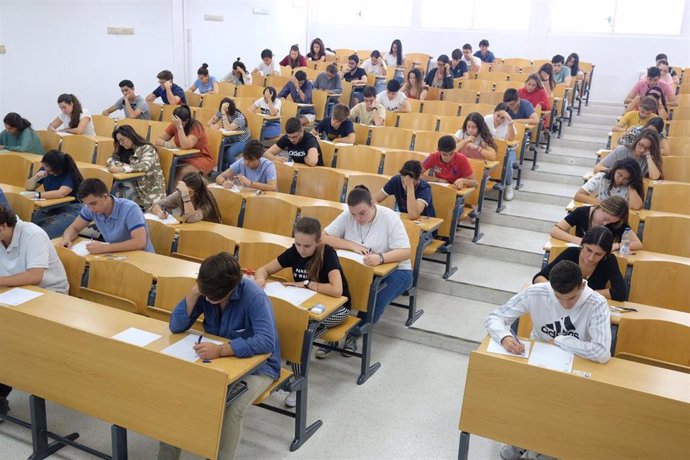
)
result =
(497, 348)
(18, 296)
(184, 349)
(137, 337)
(80, 248)
(351, 255)
(168, 220)
(290, 294)
(551, 357)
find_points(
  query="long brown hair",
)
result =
(615, 206)
(311, 226)
(652, 135)
(76, 108)
(203, 199)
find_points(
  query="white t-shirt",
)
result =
(393, 60)
(500, 131)
(475, 60)
(382, 98)
(598, 186)
(379, 70)
(261, 104)
(266, 70)
(65, 119)
(31, 248)
(385, 233)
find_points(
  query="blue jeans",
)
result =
(380, 85)
(271, 129)
(56, 219)
(357, 93)
(396, 283)
(230, 151)
(509, 167)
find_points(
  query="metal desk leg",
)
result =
(39, 431)
(119, 441)
(464, 446)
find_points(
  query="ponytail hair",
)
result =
(359, 194)
(14, 120)
(203, 199)
(76, 108)
(311, 226)
(62, 163)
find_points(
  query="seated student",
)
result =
(653, 79)
(120, 221)
(299, 88)
(19, 136)
(666, 76)
(357, 76)
(329, 80)
(73, 118)
(655, 93)
(599, 267)
(448, 166)
(501, 126)
(572, 62)
(131, 103)
(519, 109)
(301, 147)
(315, 266)
(377, 233)
(3, 200)
(239, 75)
(268, 105)
(191, 202)
(251, 171)
(169, 92)
(473, 62)
(458, 67)
(660, 59)
(294, 58)
(656, 123)
(134, 154)
(414, 87)
(205, 83)
(644, 149)
(547, 78)
(395, 57)
(561, 73)
(236, 308)
(484, 54)
(266, 67)
(187, 133)
(534, 93)
(393, 100)
(338, 127)
(60, 178)
(412, 194)
(611, 213)
(317, 51)
(440, 76)
(636, 118)
(624, 179)
(376, 65)
(370, 112)
(229, 118)
(474, 138)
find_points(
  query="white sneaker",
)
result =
(512, 452)
(322, 353)
(509, 193)
(291, 399)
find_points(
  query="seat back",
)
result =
(162, 236)
(324, 214)
(418, 121)
(74, 268)
(319, 98)
(285, 176)
(269, 214)
(197, 245)
(168, 109)
(214, 138)
(374, 182)
(118, 284)
(193, 99)
(288, 109)
(229, 204)
(212, 101)
(14, 169)
(679, 146)
(361, 133)
(328, 152)
(322, 183)
(413, 233)
(659, 283)
(677, 169)
(103, 125)
(463, 96)
(155, 110)
(359, 278)
(394, 160)
(450, 124)
(478, 172)
(291, 322)
(346, 95)
(359, 158)
(97, 172)
(444, 205)
(49, 140)
(502, 148)
(395, 138)
(667, 234)
(427, 141)
(491, 97)
(477, 85)
(482, 109)
(669, 197)
(141, 127)
(169, 291)
(256, 254)
(445, 108)
(157, 129)
(226, 89)
(253, 91)
(22, 206)
(255, 123)
(653, 342)
(679, 128)
(80, 147)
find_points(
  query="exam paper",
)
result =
(291, 294)
(497, 348)
(351, 255)
(551, 357)
(80, 248)
(184, 349)
(136, 336)
(18, 296)
(168, 220)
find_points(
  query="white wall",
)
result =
(56, 46)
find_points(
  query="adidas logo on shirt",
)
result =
(563, 326)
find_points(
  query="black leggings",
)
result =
(4, 390)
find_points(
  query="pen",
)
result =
(198, 342)
(518, 341)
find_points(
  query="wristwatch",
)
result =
(306, 284)
(37, 195)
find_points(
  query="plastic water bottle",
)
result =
(625, 242)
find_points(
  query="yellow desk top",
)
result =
(42, 203)
(648, 312)
(426, 224)
(631, 259)
(299, 201)
(178, 152)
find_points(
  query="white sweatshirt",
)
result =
(584, 329)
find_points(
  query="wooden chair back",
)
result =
(374, 182)
(679, 146)
(288, 110)
(433, 94)
(418, 121)
(445, 108)
(324, 214)
(141, 127)
(22, 206)
(494, 77)
(667, 234)
(502, 149)
(15, 169)
(255, 123)
(444, 204)
(359, 158)
(346, 95)
(226, 89)
(328, 152)
(677, 169)
(413, 233)
(162, 236)
(679, 128)
(502, 86)
(197, 245)
(49, 140)
(518, 62)
(168, 109)
(269, 214)
(319, 98)
(658, 283)
(476, 85)
(680, 113)
(396, 138)
(277, 81)
(169, 291)
(103, 125)
(81, 148)
(157, 129)
(462, 96)
(286, 177)
(451, 124)
(654, 342)
(359, 278)
(214, 138)
(96, 172)
(155, 110)
(319, 182)
(427, 141)
(193, 99)
(482, 109)
(229, 204)
(118, 284)
(256, 254)
(362, 133)
(524, 329)
(291, 322)
(74, 268)
(671, 197)
(394, 160)
(490, 97)
(252, 91)
(478, 173)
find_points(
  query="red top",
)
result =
(204, 160)
(301, 61)
(458, 168)
(538, 96)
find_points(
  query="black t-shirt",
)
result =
(579, 219)
(356, 75)
(291, 258)
(606, 271)
(299, 151)
(345, 129)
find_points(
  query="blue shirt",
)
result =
(247, 320)
(525, 110)
(3, 200)
(488, 58)
(422, 191)
(264, 173)
(205, 87)
(290, 89)
(459, 70)
(176, 90)
(118, 227)
(51, 182)
(345, 129)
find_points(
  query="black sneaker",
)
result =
(4, 407)
(350, 346)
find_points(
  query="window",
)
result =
(365, 13)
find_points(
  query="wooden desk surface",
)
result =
(648, 312)
(116, 176)
(631, 259)
(623, 410)
(70, 357)
(43, 203)
(426, 224)
(239, 235)
(300, 201)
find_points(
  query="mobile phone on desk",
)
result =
(317, 309)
